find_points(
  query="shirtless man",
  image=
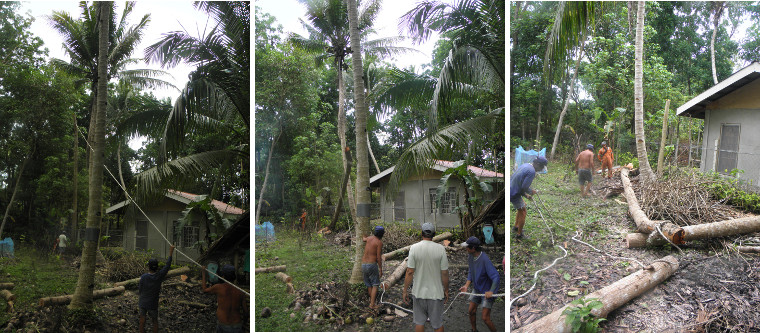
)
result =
(584, 165)
(372, 263)
(229, 301)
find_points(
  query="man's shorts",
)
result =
(229, 328)
(428, 308)
(518, 202)
(151, 313)
(61, 249)
(371, 275)
(584, 175)
(482, 301)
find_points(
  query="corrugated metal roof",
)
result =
(220, 206)
(442, 165)
(697, 105)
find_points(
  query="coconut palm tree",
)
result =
(473, 68)
(329, 39)
(216, 98)
(82, 297)
(638, 94)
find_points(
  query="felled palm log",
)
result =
(673, 232)
(96, 294)
(7, 295)
(612, 296)
(289, 288)
(133, 282)
(396, 275)
(748, 249)
(284, 277)
(7, 285)
(270, 269)
(733, 227)
(438, 238)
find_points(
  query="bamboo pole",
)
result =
(270, 269)
(661, 155)
(133, 282)
(445, 235)
(612, 296)
(96, 294)
(395, 276)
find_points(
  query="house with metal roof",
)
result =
(141, 230)
(416, 198)
(731, 111)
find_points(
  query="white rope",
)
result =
(578, 233)
(447, 309)
(151, 222)
(535, 276)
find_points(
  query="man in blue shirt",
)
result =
(519, 186)
(485, 280)
(149, 288)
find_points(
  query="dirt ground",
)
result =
(455, 319)
(121, 314)
(715, 289)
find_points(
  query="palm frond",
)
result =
(572, 23)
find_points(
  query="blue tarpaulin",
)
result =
(265, 232)
(523, 156)
(6, 247)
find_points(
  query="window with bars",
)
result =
(448, 201)
(433, 192)
(185, 237)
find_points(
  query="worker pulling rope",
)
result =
(154, 226)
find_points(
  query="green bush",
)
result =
(579, 317)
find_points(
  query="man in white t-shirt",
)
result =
(62, 243)
(428, 267)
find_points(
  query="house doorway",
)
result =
(728, 150)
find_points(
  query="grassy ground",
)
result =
(560, 193)
(308, 263)
(35, 275)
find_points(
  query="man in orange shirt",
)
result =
(605, 156)
(303, 219)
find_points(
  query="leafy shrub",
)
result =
(124, 265)
(579, 317)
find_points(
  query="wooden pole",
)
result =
(395, 276)
(661, 155)
(96, 294)
(284, 277)
(270, 269)
(612, 296)
(445, 235)
(133, 282)
(739, 226)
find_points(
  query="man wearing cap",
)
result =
(372, 263)
(519, 186)
(149, 287)
(584, 164)
(605, 156)
(229, 301)
(485, 279)
(428, 267)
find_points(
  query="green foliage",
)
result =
(733, 191)
(578, 315)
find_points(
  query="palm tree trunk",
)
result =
(641, 149)
(82, 298)
(15, 189)
(567, 102)
(663, 137)
(339, 204)
(538, 127)
(75, 185)
(362, 165)
(342, 136)
(266, 176)
(718, 10)
(371, 154)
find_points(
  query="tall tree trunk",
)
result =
(118, 161)
(83, 294)
(371, 154)
(717, 12)
(75, 186)
(689, 165)
(342, 136)
(678, 129)
(567, 102)
(362, 165)
(641, 149)
(339, 204)
(538, 127)
(661, 154)
(266, 175)
(15, 189)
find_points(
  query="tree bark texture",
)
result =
(641, 149)
(612, 296)
(437, 238)
(83, 294)
(65, 299)
(395, 276)
(75, 178)
(362, 163)
(343, 141)
(133, 282)
(663, 137)
(567, 102)
(270, 269)
(738, 226)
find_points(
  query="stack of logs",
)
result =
(280, 276)
(7, 295)
(648, 233)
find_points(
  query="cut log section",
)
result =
(133, 282)
(284, 277)
(644, 225)
(7, 285)
(748, 249)
(192, 304)
(289, 288)
(66, 299)
(395, 276)
(270, 269)
(7, 295)
(612, 296)
(745, 225)
(445, 235)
